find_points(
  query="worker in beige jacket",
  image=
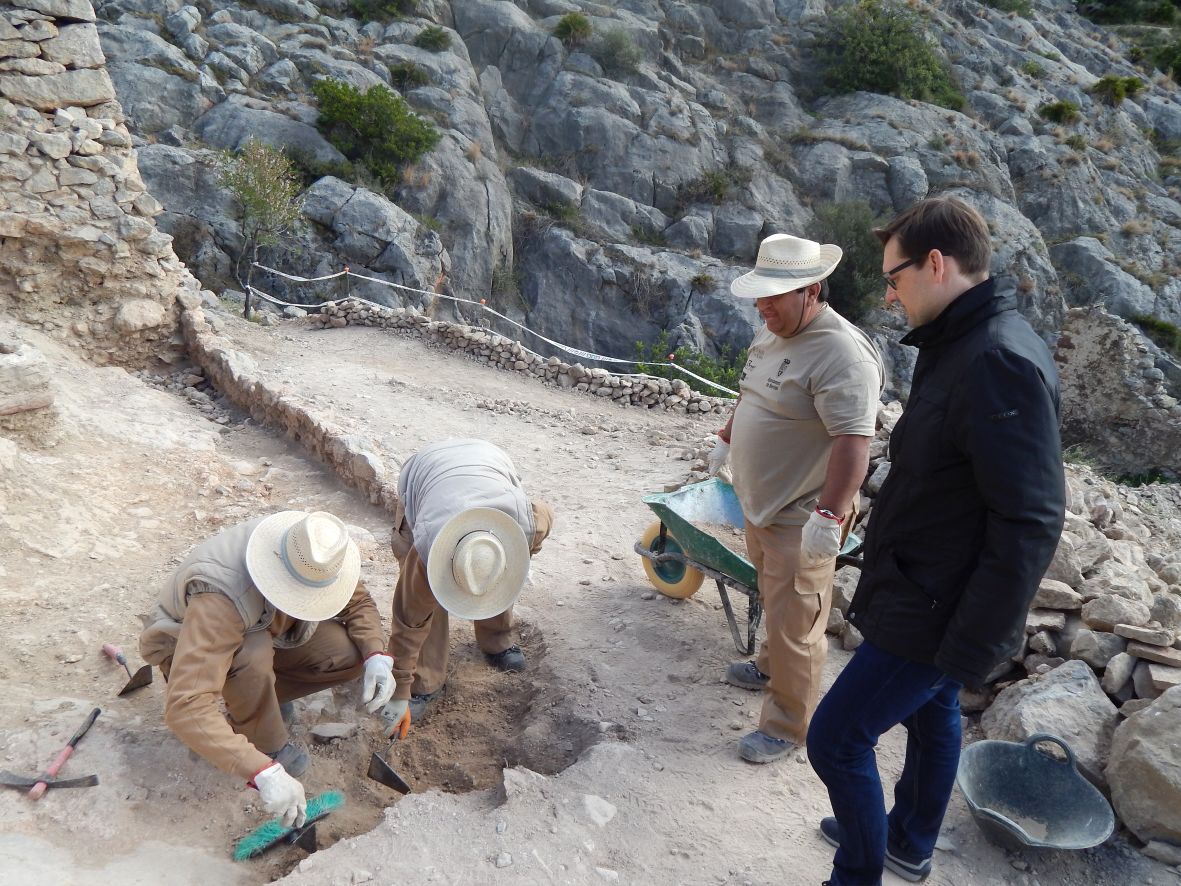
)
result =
(464, 532)
(264, 612)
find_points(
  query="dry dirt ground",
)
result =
(612, 759)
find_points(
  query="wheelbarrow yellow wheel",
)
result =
(671, 578)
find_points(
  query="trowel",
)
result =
(139, 679)
(380, 770)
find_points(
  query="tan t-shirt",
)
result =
(797, 394)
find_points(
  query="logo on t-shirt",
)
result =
(782, 366)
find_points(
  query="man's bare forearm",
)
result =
(848, 464)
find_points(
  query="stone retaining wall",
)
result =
(80, 255)
(353, 458)
(489, 347)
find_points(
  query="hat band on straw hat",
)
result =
(790, 273)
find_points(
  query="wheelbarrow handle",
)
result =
(1038, 737)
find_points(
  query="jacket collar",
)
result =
(970, 308)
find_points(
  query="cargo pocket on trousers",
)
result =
(814, 585)
(401, 539)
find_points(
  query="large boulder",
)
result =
(1067, 702)
(235, 121)
(1145, 770)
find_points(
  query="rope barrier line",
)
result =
(585, 355)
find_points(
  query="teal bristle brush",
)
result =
(274, 832)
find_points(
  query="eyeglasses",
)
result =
(889, 275)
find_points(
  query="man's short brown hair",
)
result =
(944, 223)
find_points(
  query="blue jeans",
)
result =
(875, 692)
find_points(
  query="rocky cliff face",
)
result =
(606, 158)
(79, 251)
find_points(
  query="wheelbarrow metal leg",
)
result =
(748, 647)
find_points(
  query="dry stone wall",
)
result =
(80, 255)
(489, 347)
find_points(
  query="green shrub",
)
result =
(1157, 12)
(882, 46)
(723, 369)
(617, 52)
(714, 186)
(648, 237)
(855, 287)
(1168, 58)
(376, 127)
(407, 75)
(1113, 89)
(1165, 334)
(1060, 112)
(1032, 68)
(434, 39)
(1076, 142)
(266, 186)
(1021, 7)
(381, 10)
(573, 29)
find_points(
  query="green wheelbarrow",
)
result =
(678, 555)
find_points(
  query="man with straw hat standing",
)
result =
(264, 612)
(463, 533)
(798, 441)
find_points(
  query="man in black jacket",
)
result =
(960, 536)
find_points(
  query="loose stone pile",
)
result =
(497, 350)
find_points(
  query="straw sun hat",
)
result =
(304, 564)
(478, 563)
(787, 263)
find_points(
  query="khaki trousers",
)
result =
(420, 641)
(796, 602)
(262, 677)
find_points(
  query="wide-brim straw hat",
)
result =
(304, 564)
(478, 563)
(786, 263)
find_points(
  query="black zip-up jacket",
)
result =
(970, 514)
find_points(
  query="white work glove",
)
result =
(378, 682)
(718, 456)
(821, 540)
(282, 795)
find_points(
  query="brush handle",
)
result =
(38, 790)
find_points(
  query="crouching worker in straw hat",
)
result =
(259, 614)
(463, 533)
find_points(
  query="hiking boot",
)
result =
(746, 675)
(906, 865)
(512, 659)
(293, 758)
(287, 712)
(759, 747)
(419, 704)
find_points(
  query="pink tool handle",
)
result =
(113, 651)
(39, 789)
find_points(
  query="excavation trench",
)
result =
(481, 722)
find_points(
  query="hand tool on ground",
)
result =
(269, 835)
(140, 679)
(380, 770)
(37, 785)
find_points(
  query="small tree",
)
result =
(266, 185)
(855, 287)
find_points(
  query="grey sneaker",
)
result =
(906, 865)
(512, 659)
(746, 675)
(758, 747)
(419, 704)
(293, 758)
